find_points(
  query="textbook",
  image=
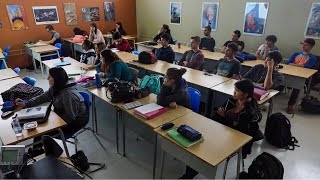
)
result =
(260, 94)
(64, 63)
(32, 113)
(173, 133)
(150, 111)
(75, 72)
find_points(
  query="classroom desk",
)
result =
(219, 143)
(130, 38)
(2, 58)
(7, 74)
(43, 51)
(228, 89)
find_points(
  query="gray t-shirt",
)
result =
(56, 35)
(228, 68)
(261, 50)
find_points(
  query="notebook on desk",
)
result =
(75, 72)
(150, 111)
(173, 133)
(64, 63)
(259, 94)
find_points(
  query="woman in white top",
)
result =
(95, 34)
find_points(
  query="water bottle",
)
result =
(81, 72)
(16, 126)
(98, 81)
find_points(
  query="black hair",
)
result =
(50, 27)
(95, 26)
(60, 79)
(196, 39)
(101, 44)
(276, 56)
(272, 38)
(116, 35)
(166, 27)
(88, 43)
(208, 28)
(238, 33)
(246, 86)
(120, 24)
(166, 36)
(310, 41)
(176, 74)
(109, 56)
(77, 31)
(233, 46)
(241, 43)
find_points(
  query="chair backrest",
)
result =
(134, 73)
(6, 49)
(58, 45)
(87, 101)
(195, 96)
(30, 80)
(16, 70)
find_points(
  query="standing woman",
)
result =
(95, 34)
(119, 28)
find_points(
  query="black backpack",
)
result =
(278, 132)
(310, 104)
(264, 166)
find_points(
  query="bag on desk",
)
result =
(147, 57)
(121, 91)
(22, 91)
(189, 133)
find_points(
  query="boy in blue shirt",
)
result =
(165, 53)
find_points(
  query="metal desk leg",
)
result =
(270, 107)
(64, 143)
(41, 67)
(309, 86)
(123, 133)
(155, 156)
(117, 128)
(163, 153)
(239, 162)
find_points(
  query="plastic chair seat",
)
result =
(195, 96)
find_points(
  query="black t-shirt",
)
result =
(208, 43)
(237, 42)
(228, 68)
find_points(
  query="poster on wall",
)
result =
(209, 16)
(255, 18)
(175, 12)
(109, 13)
(90, 14)
(70, 13)
(45, 14)
(17, 17)
(313, 25)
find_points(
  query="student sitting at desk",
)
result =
(163, 30)
(78, 31)
(207, 43)
(267, 47)
(119, 28)
(166, 53)
(303, 59)
(229, 66)
(99, 47)
(193, 58)
(88, 55)
(120, 43)
(114, 66)
(235, 38)
(55, 36)
(267, 75)
(95, 34)
(174, 90)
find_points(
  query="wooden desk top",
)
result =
(42, 49)
(207, 54)
(8, 136)
(142, 44)
(7, 74)
(219, 141)
(169, 116)
(1, 55)
(127, 37)
(126, 57)
(287, 69)
(75, 65)
(228, 88)
(102, 94)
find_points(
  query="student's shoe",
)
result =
(290, 109)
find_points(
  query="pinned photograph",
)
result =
(255, 18)
(45, 14)
(209, 16)
(70, 13)
(175, 12)
(313, 25)
(109, 13)
(17, 17)
(90, 14)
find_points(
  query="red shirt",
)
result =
(122, 46)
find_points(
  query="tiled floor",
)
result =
(302, 163)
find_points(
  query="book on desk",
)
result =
(150, 111)
(260, 94)
(33, 112)
(64, 63)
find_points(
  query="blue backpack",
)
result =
(154, 82)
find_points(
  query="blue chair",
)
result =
(174, 41)
(6, 49)
(5, 54)
(74, 135)
(30, 80)
(195, 96)
(135, 52)
(58, 45)
(16, 70)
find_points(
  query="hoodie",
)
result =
(166, 54)
(88, 57)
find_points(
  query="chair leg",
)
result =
(225, 168)
(76, 144)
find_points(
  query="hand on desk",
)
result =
(185, 63)
(20, 104)
(173, 105)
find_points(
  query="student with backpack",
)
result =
(174, 90)
(88, 55)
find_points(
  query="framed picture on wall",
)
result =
(70, 13)
(90, 14)
(45, 14)
(313, 25)
(175, 12)
(109, 11)
(255, 18)
(209, 15)
(17, 17)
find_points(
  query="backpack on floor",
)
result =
(23, 91)
(147, 57)
(265, 166)
(310, 104)
(278, 132)
(154, 82)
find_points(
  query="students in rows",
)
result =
(114, 67)
(120, 43)
(229, 66)
(99, 47)
(235, 38)
(207, 43)
(267, 75)
(88, 55)
(119, 28)
(193, 58)
(303, 59)
(55, 36)
(163, 30)
(95, 34)
(174, 90)
(267, 47)
(165, 53)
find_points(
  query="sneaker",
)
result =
(290, 109)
